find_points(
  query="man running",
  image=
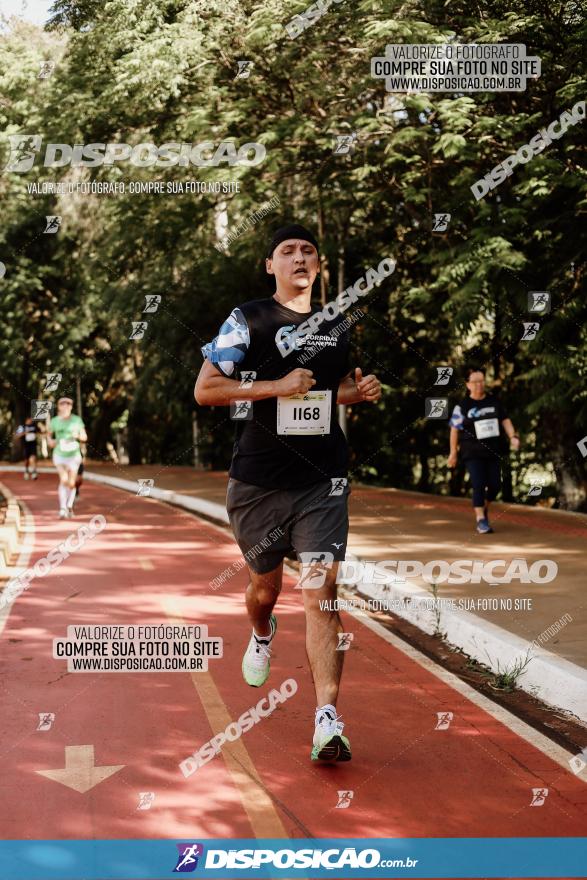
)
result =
(65, 433)
(288, 489)
(479, 422)
(29, 432)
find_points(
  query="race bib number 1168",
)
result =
(304, 413)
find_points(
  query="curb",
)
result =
(549, 678)
(26, 540)
(209, 509)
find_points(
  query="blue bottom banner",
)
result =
(564, 857)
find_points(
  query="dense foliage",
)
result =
(158, 71)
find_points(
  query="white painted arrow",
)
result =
(79, 772)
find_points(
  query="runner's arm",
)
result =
(454, 440)
(511, 432)
(214, 389)
(356, 388)
(81, 435)
(456, 425)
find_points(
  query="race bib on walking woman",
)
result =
(485, 428)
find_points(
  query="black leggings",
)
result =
(486, 479)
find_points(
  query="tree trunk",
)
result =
(424, 481)
(22, 408)
(570, 476)
(507, 491)
(559, 436)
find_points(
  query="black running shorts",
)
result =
(269, 524)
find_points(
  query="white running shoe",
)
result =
(329, 744)
(256, 661)
(69, 512)
(26, 475)
(63, 513)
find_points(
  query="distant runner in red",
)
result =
(288, 488)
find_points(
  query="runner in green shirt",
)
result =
(65, 433)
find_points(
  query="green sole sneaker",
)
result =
(256, 661)
(334, 748)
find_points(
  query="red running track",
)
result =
(153, 563)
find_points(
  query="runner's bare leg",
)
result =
(322, 629)
(261, 596)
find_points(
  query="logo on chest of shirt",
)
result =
(287, 340)
(475, 413)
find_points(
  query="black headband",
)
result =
(287, 232)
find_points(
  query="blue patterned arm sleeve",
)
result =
(456, 420)
(228, 349)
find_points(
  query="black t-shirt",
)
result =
(269, 449)
(28, 433)
(479, 421)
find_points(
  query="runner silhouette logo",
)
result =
(187, 860)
